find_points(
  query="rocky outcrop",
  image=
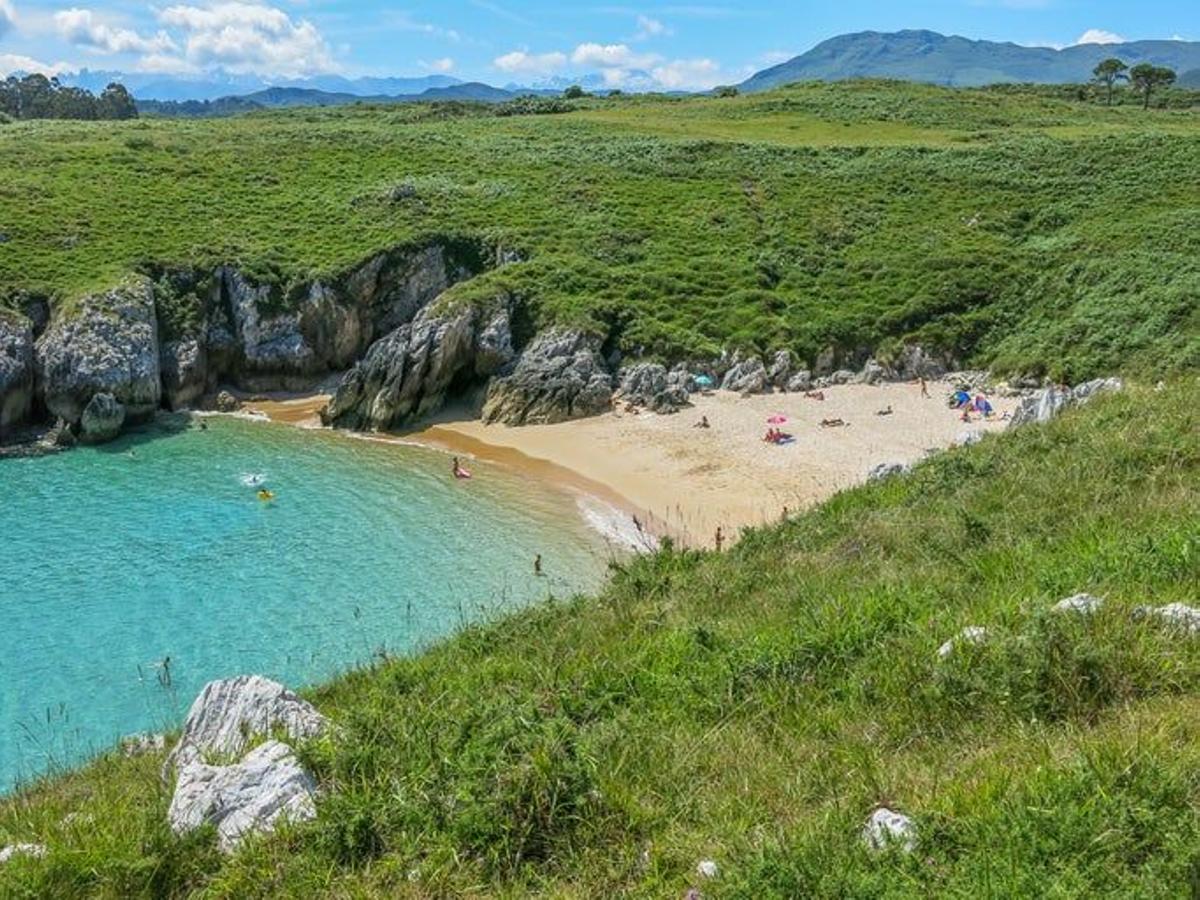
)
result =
(780, 372)
(102, 419)
(559, 376)
(883, 471)
(184, 367)
(109, 345)
(16, 371)
(252, 796)
(228, 713)
(747, 376)
(1049, 402)
(800, 382)
(409, 373)
(650, 385)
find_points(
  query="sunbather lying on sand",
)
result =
(814, 395)
(834, 423)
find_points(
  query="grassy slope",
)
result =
(754, 707)
(1022, 229)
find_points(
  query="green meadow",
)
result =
(1023, 229)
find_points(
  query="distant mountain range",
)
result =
(218, 85)
(959, 62)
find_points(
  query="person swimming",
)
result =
(265, 495)
(458, 471)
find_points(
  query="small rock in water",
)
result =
(707, 868)
(227, 403)
(888, 829)
(973, 634)
(36, 851)
(1080, 603)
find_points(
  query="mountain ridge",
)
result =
(955, 61)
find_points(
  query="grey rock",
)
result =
(973, 381)
(269, 342)
(142, 744)
(652, 386)
(406, 374)
(108, 346)
(61, 435)
(873, 373)
(1085, 604)
(494, 344)
(184, 366)
(780, 371)
(249, 797)
(227, 403)
(1049, 402)
(708, 868)
(12, 851)
(968, 438)
(840, 377)
(826, 362)
(972, 634)
(1176, 615)
(886, 470)
(747, 376)
(1084, 392)
(914, 361)
(102, 419)
(887, 829)
(559, 376)
(800, 382)
(16, 371)
(228, 713)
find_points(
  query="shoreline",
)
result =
(686, 482)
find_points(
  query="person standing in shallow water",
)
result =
(537, 565)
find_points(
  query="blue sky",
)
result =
(667, 45)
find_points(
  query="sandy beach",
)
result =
(688, 481)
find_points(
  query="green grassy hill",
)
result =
(1016, 228)
(753, 708)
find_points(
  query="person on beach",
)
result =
(719, 538)
(924, 387)
(834, 423)
(703, 423)
(537, 565)
(458, 471)
(884, 412)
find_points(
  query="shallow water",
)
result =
(113, 559)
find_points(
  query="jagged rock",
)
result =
(914, 361)
(494, 344)
(249, 797)
(886, 470)
(747, 376)
(873, 373)
(1049, 402)
(227, 714)
(968, 438)
(102, 419)
(559, 376)
(141, 744)
(651, 386)
(1177, 615)
(838, 378)
(12, 851)
(108, 346)
(227, 403)
(973, 381)
(16, 371)
(184, 367)
(269, 342)
(972, 634)
(886, 829)
(780, 372)
(407, 374)
(1085, 604)
(826, 362)
(61, 435)
(800, 382)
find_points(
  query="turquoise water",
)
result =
(112, 559)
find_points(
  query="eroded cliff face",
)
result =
(16, 371)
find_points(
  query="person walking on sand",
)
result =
(719, 538)
(537, 565)
(924, 387)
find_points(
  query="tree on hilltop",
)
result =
(1108, 73)
(1145, 78)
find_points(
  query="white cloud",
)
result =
(612, 56)
(1099, 36)
(688, 74)
(8, 17)
(10, 63)
(521, 62)
(445, 64)
(649, 27)
(249, 38)
(402, 21)
(82, 28)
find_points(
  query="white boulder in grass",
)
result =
(972, 634)
(886, 470)
(253, 796)
(12, 851)
(228, 713)
(708, 868)
(1085, 604)
(1177, 615)
(888, 829)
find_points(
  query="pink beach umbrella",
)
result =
(777, 420)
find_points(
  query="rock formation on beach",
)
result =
(16, 371)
